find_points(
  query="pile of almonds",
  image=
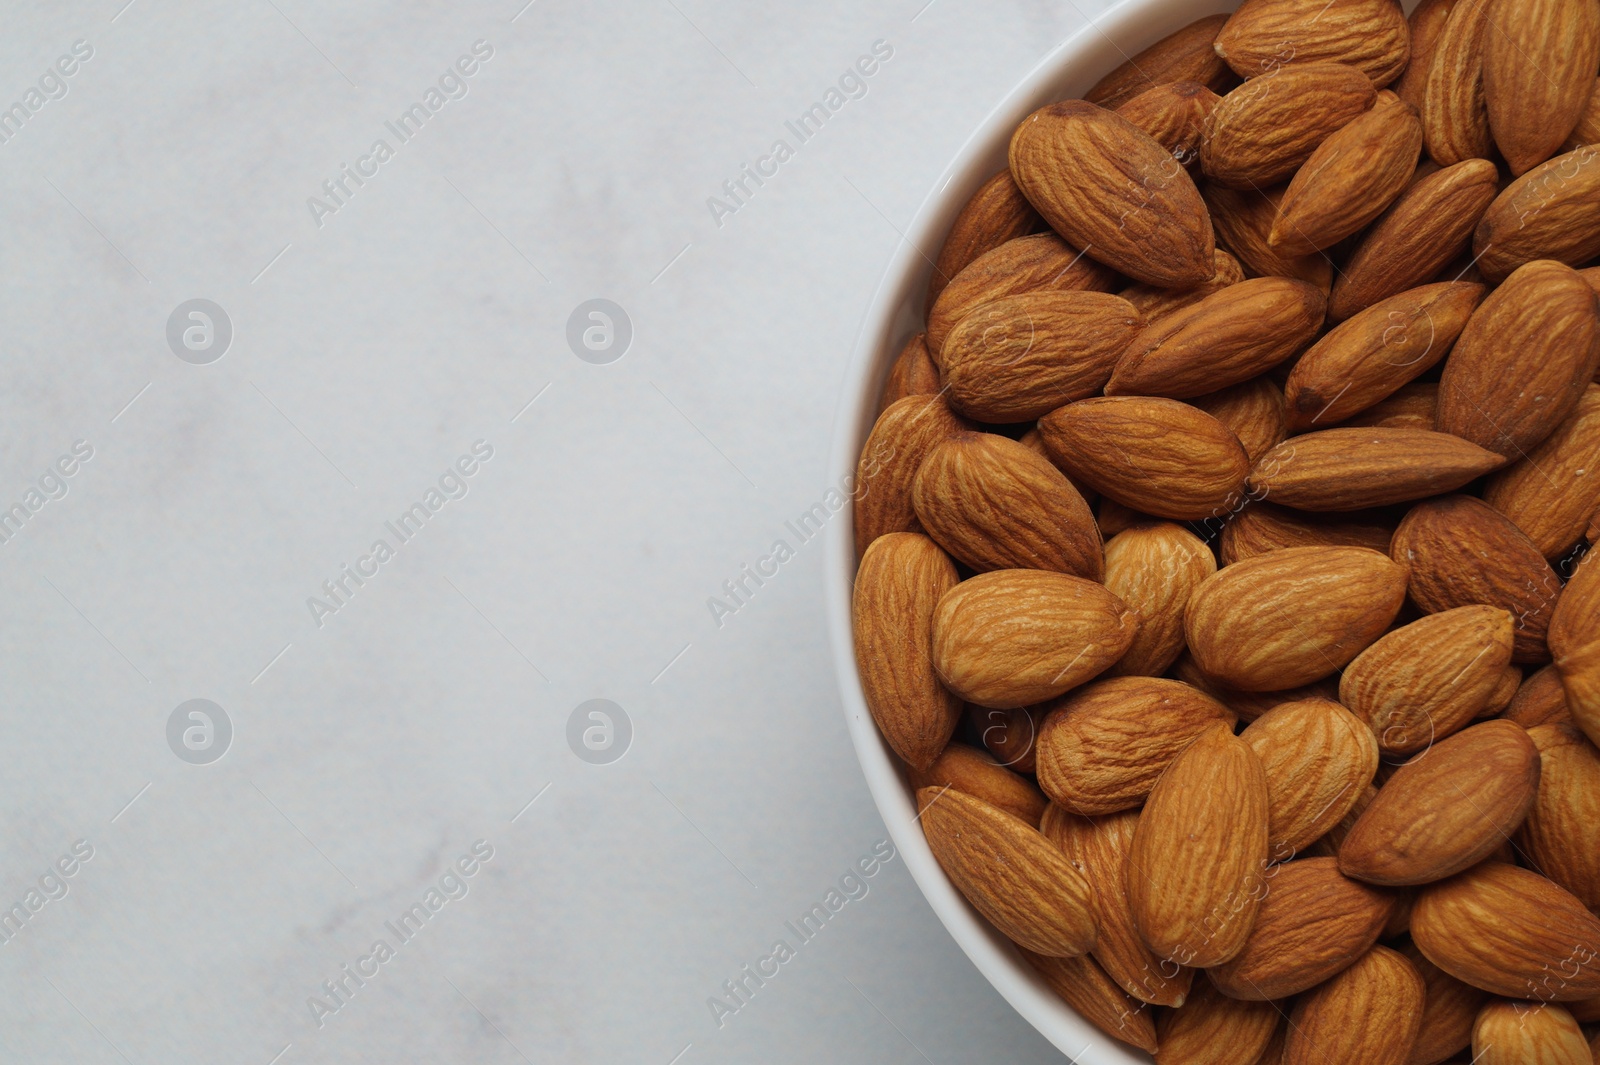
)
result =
(1222, 579)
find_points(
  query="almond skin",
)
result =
(1293, 616)
(1250, 705)
(1010, 873)
(911, 374)
(997, 212)
(1228, 337)
(1539, 63)
(1540, 700)
(1154, 568)
(1349, 180)
(1107, 187)
(901, 579)
(1158, 456)
(1348, 469)
(1369, 34)
(1544, 316)
(1427, 22)
(1548, 213)
(1098, 848)
(1084, 986)
(1253, 411)
(1575, 642)
(1372, 1012)
(996, 504)
(1561, 836)
(1154, 303)
(1186, 55)
(1366, 359)
(1455, 119)
(1428, 226)
(975, 772)
(1460, 551)
(1199, 851)
(1413, 407)
(1175, 115)
(1429, 679)
(1446, 809)
(1261, 132)
(1511, 932)
(1551, 494)
(1213, 1029)
(1313, 924)
(1243, 221)
(900, 439)
(1526, 1033)
(1318, 758)
(1009, 735)
(1264, 527)
(1015, 637)
(1019, 357)
(1102, 748)
(1449, 1009)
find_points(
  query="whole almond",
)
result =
(1153, 302)
(1561, 836)
(911, 374)
(1350, 179)
(1460, 551)
(1575, 643)
(1186, 55)
(1527, 1033)
(1159, 456)
(1368, 34)
(1448, 1011)
(1254, 411)
(1429, 679)
(975, 772)
(1548, 213)
(1504, 692)
(1199, 852)
(1098, 848)
(1213, 1029)
(1264, 527)
(1446, 809)
(1318, 758)
(997, 212)
(1175, 115)
(1413, 407)
(1551, 494)
(1250, 705)
(1261, 132)
(1430, 224)
(1426, 22)
(1010, 873)
(1455, 119)
(1348, 469)
(1293, 616)
(1102, 748)
(1544, 313)
(1084, 986)
(1540, 700)
(1313, 924)
(1014, 637)
(1228, 337)
(900, 439)
(1022, 356)
(1107, 187)
(1539, 63)
(901, 579)
(1243, 221)
(996, 504)
(1154, 568)
(1010, 735)
(1372, 355)
(1372, 1012)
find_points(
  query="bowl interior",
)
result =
(896, 313)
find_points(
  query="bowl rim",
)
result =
(892, 317)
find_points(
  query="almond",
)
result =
(1372, 1012)
(1427, 22)
(1588, 128)
(1428, 226)
(1114, 517)
(1264, 527)
(1293, 616)
(1009, 735)
(1107, 187)
(1413, 407)
(900, 439)
(1261, 132)
(1548, 213)
(911, 374)
(975, 772)
(1154, 568)
(1328, 846)
(1455, 119)
(1544, 317)
(1102, 748)
(1022, 356)
(1041, 262)
(1348, 469)
(1158, 456)
(1448, 1010)
(1010, 873)
(1213, 1029)
(1014, 637)
(1446, 809)
(1575, 642)
(1350, 179)
(1539, 63)
(1369, 34)
(1175, 115)
(1318, 758)
(1504, 692)
(1186, 55)
(1551, 494)
(1540, 700)
(1243, 221)
(997, 212)
(1098, 848)
(1429, 679)
(1199, 851)
(1153, 302)
(1461, 551)
(1313, 924)
(1254, 411)
(1228, 337)
(1250, 705)
(1084, 986)
(1526, 1033)
(1561, 836)
(1375, 353)
(901, 579)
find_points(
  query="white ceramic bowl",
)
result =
(896, 314)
